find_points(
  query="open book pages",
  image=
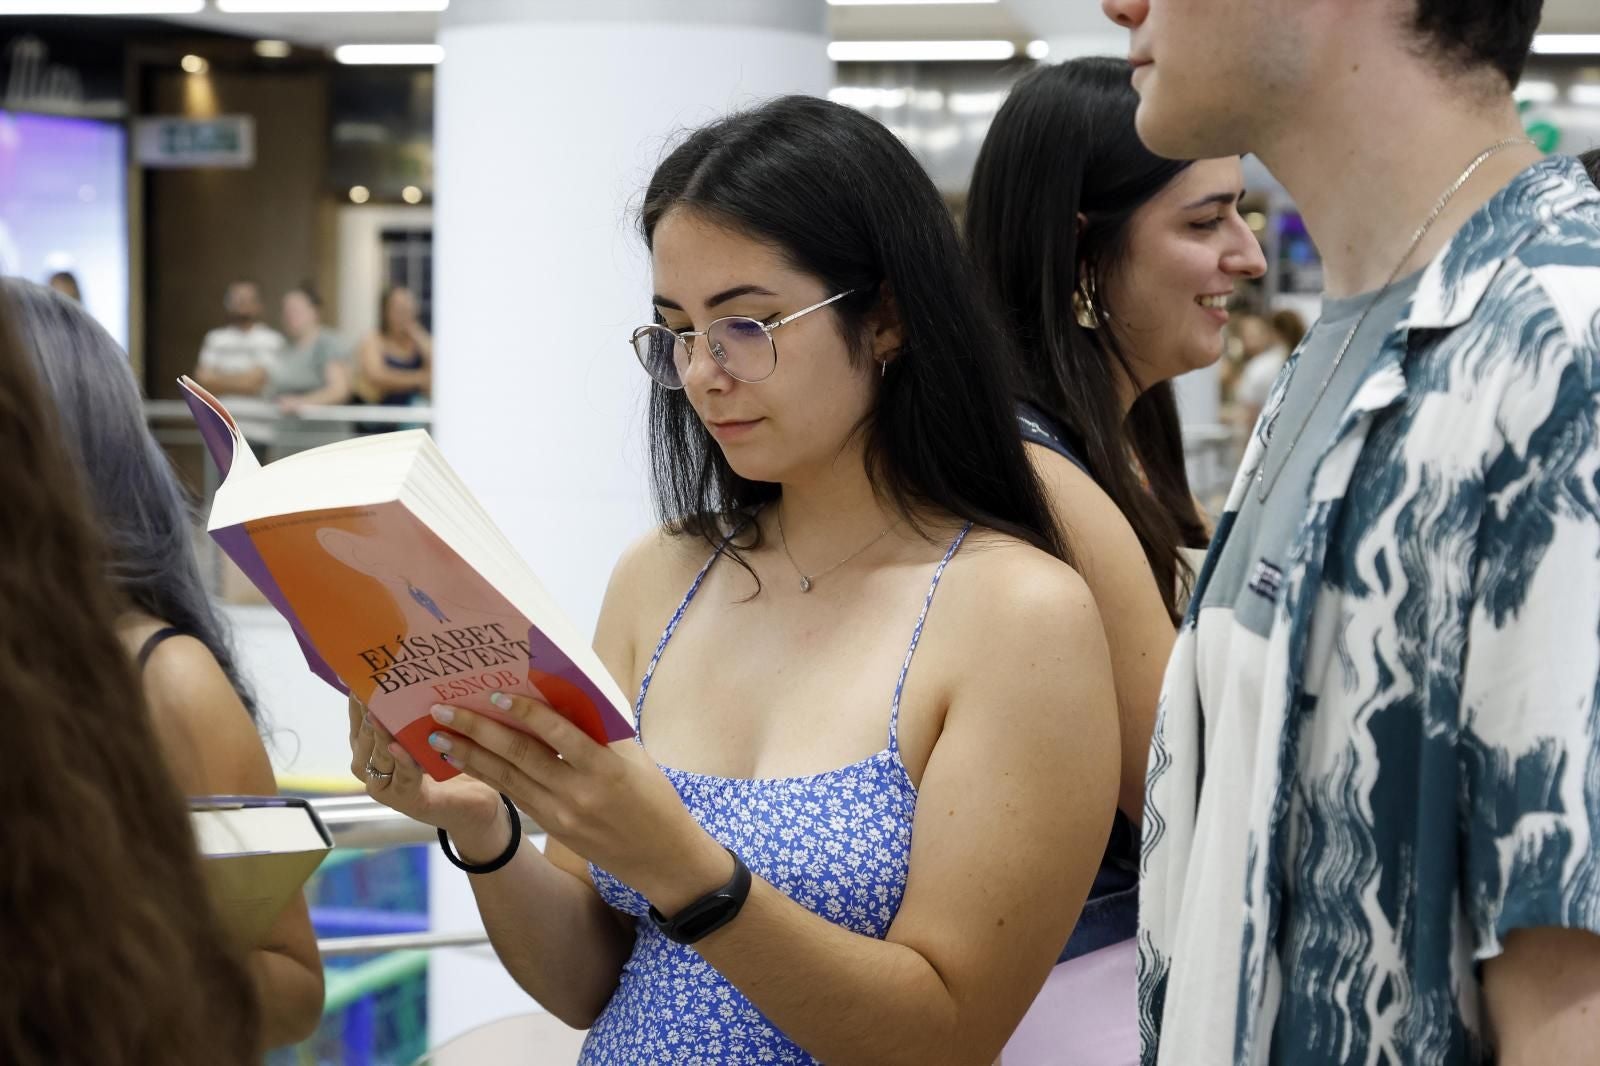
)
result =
(257, 852)
(400, 588)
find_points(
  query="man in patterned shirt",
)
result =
(1372, 832)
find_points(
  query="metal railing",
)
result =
(363, 822)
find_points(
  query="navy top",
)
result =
(153, 641)
(1111, 914)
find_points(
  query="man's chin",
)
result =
(1176, 129)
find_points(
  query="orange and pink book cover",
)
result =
(386, 611)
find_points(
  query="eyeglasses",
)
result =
(741, 346)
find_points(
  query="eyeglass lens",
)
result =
(740, 345)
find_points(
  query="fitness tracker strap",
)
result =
(710, 912)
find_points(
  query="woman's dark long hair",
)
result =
(139, 503)
(113, 954)
(1064, 144)
(846, 203)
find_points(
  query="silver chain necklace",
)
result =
(1263, 483)
(807, 581)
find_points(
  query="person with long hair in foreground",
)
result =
(113, 955)
(204, 714)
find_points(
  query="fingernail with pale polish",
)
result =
(442, 714)
(439, 742)
(501, 700)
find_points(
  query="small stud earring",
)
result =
(1083, 309)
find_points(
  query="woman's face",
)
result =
(402, 310)
(1188, 247)
(796, 422)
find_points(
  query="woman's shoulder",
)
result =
(1010, 583)
(661, 565)
(1005, 606)
(670, 549)
(1101, 537)
(210, 741)
(182, 676)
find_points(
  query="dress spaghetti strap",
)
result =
(672, 627)
(153, 641)
(916, 637)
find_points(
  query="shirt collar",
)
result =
(1455, 282)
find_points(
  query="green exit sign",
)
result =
(224, 141)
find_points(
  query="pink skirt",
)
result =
(1087, 1014)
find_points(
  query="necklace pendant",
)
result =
(805, 583)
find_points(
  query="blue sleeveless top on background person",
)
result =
(1111, 914)
(838, 843)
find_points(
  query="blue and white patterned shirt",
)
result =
(1422, 760)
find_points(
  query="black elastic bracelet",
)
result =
(493, 864)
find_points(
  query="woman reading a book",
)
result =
(112, 954)
(202, 712)
(878, 758)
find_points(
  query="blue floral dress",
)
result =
(838, 843)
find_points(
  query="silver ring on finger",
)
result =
(375, 774)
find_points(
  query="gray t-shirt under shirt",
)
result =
(1250, 569)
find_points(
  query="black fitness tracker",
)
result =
(710, 912)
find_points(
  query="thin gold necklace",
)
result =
(1263, 483)
(808, 581)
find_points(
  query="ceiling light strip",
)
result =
(919, 51)
(389, 54)
(329, 7)
(103, 7)
(1567, 44)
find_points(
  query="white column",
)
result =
(549, 119)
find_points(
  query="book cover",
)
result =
(385, 610)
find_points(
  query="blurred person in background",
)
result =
(1373, 797)
(315, 367)
(66, 283)
(394, 365)
(1113, 269)
(1289, 328)
(203, 713)
(239, 358)
(1285, 329)
(905, 837)
(113, 954)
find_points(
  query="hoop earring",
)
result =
(1084, 310)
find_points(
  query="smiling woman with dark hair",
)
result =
(859, 821)
(1113, 268)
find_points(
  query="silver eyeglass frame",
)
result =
(687, 337)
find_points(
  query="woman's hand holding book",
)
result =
(468, 810)
(611, 805)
